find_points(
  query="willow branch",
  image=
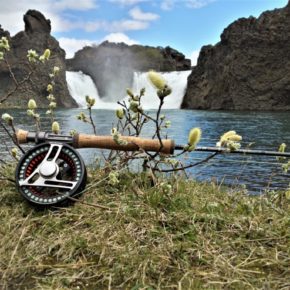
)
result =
(189, 165)
(14, 140)
(17, 85)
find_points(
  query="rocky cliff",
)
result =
(112, 65)
(35, 36)
(249, 69)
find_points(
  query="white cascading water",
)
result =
(80, 85)
(177, 80)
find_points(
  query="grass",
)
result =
(137, 234)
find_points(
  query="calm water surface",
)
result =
(265, 130)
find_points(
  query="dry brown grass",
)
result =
(137, 236)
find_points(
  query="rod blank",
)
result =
(243, 151)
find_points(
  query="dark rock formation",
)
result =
(111, 65)
(37, 37)
(249, 69)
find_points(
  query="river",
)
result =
(263, 130)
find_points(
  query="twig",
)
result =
(14, 140)
(188, 166)
(90, 204)
(17, 85)
(92, 121)
(7, 179)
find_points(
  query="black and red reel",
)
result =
(50, 173)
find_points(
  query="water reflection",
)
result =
(265, 130)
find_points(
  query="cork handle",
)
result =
(21, 136)
(103, 142)
(134, 143)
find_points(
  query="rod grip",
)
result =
(134, 143)
(21, 136)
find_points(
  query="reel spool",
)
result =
(49, 173)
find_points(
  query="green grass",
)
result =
(139, 234)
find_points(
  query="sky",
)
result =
(185, 25)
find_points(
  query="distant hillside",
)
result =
(249, 69)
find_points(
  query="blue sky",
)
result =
(185, 25)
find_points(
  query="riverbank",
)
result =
(177, 234)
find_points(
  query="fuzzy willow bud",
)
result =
(56, 70)
(156, 80)
(7, 118)
(49, 88)
(55, 128)
(130, 93)
(52, 105)
(282, 147)
(194, 137)
(14, 152)
(31, 104)
(46, 54)
(90, 101)
(120, 113)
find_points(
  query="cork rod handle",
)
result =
(133, 143)
(21, 136)
(102, 142)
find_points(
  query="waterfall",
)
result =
(177, 80)
(80, 85)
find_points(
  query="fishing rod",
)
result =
(52, 172)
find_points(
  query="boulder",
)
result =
(36, 36)
(249, 69)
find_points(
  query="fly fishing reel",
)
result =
(50, 173)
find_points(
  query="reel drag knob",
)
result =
(50, 173)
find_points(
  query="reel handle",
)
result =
(103, 142)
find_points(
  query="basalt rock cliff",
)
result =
(36, 36)
(249, 69)
(112, 65)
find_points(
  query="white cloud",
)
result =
(74, 5)
(128, 2)
(12, 12)
(193, 4)
(137, 14)
(125, 25)
(115, 26)
(167, 4)
(193, 57)
(57, 11)
(120, 37)
(196, 4)
(71, 45)
(60, 22)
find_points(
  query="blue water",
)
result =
(263, 130)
